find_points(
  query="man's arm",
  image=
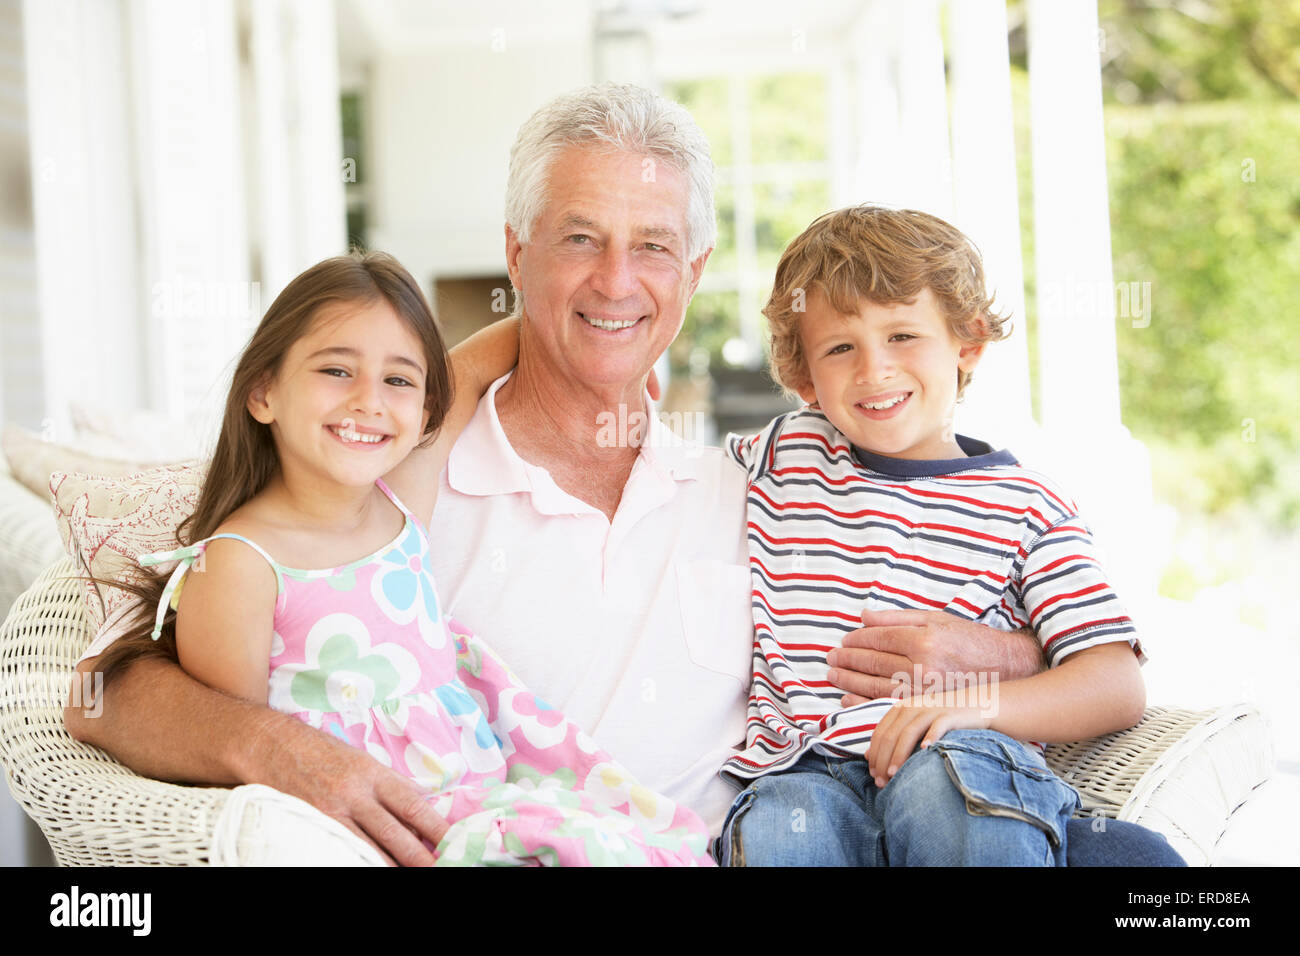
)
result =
(912, 647)
(475, 364)
(163, 723)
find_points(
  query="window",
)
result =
(770, 137)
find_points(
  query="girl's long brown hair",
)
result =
(245, 457)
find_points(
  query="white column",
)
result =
(270, 182)
(297, 153)
(842, 112)
(923, 111)
(1078, 371)
(746, 215)
(902, 107)
(83, 207)
(317, 155)
(986, 207)
(873, 44)
(1083, 443)
(190, 185)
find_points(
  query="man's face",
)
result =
(605, 277)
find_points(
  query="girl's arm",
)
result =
(475, 364)
(216, 729)
(225, 620)
(1094, 691)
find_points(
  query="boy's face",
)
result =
(886, 376)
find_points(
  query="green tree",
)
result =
(1201, 121)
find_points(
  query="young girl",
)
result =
(314, 594)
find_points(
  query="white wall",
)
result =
(441, 126)
(79, 123)
(185, 164)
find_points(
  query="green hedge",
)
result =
(1205, 205)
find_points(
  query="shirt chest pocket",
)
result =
(986, 597)
(716, 619)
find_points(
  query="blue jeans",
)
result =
(975, 798)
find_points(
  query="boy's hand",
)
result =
(934, 644)
(916, 721)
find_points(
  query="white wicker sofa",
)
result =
(29, 542)
(1182, 773)
(28, 545)
(1179, 772)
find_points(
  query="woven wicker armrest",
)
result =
(29, 539)
(93, 810)
(1180, 772)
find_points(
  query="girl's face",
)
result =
(348, 403)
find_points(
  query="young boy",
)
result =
(866, 499)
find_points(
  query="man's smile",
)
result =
(609, 323)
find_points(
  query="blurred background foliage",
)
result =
(1202, 106)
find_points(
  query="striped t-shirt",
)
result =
(834, 529)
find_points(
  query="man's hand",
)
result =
(162, 723)
(894, 649)
(912, 722)
(384, 808)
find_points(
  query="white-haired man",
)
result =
(611, 575)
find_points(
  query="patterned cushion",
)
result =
(107, 522)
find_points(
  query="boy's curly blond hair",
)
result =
(886, 256)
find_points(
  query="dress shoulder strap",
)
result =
(186, 557)
(383, 486)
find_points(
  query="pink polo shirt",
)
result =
(638, 628)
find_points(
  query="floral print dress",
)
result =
(364, 652)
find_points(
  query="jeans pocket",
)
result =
(998, 776)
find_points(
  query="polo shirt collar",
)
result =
(670, 454)
(483, 462)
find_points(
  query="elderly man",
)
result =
(611, 575)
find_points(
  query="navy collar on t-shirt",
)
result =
(980, 455)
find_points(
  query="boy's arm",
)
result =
(1094, 686)
(475, 364)
(1094, 691)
